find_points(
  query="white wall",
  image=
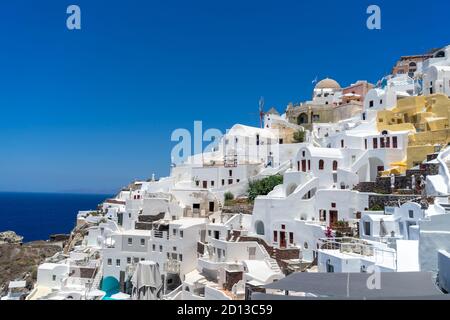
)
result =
(434, 236)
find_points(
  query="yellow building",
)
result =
(427, 119)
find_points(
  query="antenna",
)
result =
(261, 111)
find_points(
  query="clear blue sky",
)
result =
(91, 110)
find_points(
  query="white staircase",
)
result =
(98, 277)
(273, 264)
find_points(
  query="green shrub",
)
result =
(376, 207)
(263, 187)
(299, 136)
(228, 196)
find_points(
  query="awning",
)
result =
(17, 284)
(355, 285)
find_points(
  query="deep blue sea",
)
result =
(36, 216)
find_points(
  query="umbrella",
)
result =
(121, 296)
(146, 281)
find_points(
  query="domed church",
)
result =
(327, 104)
(326, 91)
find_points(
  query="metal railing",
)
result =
(348, 245)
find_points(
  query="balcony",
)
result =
(354, 246)
(160, 234)
(172, 266)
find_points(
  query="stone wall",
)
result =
(150, 218)
(143, 226)
(381, 200)
(231, 278)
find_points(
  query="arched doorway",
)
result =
(259, 227)
(375, 165)
(302, 118)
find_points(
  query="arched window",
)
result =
(321, 164)
(302, 119)
(259, 226)
(440, 54)
(335, 165)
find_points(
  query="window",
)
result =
(223, 182)
(322, 215)
(160, 248)
(367, 228)
(180, 257)
(128, 260)
(154, 247)
(54, 277)
(309, 164)
(291, 237)
(371, 104)
(117, 262)
(388, 142)
(303, 154)
(136, 260)
(181, 233)
(321, 164)
(333, 204)
(411, 214)
(365, 144)
(335, 165)
(275, 236)
(130, 241)
(212, 183)
(342, 143)
(298, 165)
(394, 142)
(230, 181)
(238, 180)
(109, 261)
(382, 145)
(230, 173)
(330, 267)
(142, 242)
(209, 233)
(197, 183)
(174, 232)
(174, 248)
(283, 226)
(375, 143)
